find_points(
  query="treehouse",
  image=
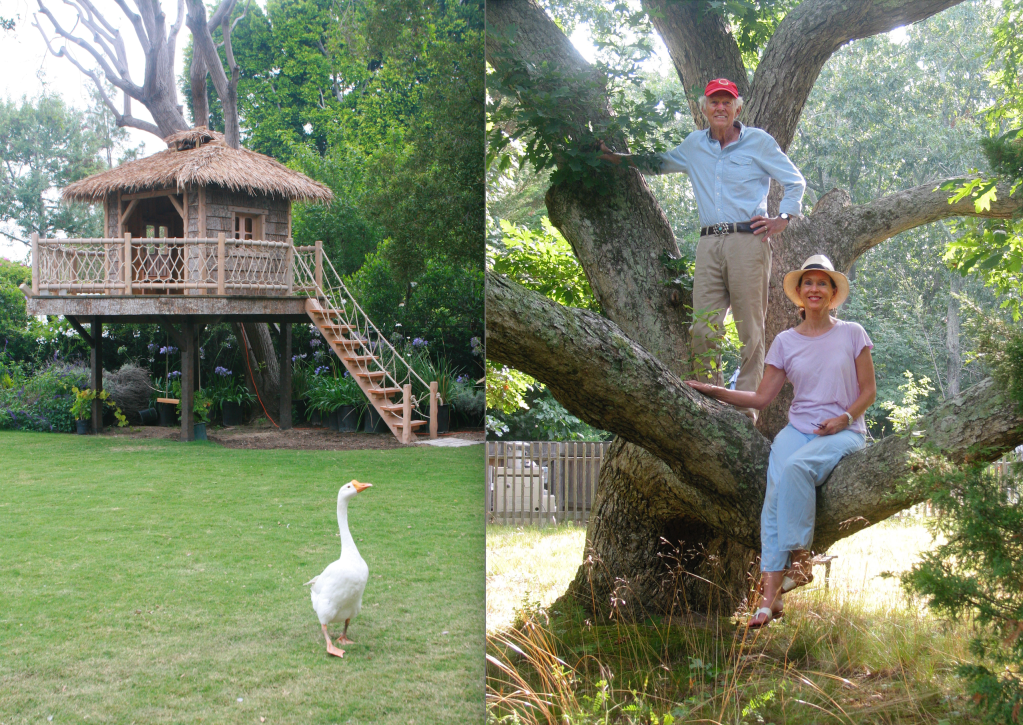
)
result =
(199, 234)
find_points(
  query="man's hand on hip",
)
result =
(768, 226)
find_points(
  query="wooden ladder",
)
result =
(365, 368)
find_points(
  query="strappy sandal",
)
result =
(800, 573)
(756, 623)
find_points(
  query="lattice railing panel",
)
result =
(81, 265)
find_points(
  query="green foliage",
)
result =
(39, 400)
(993, 251)
(443, 305)
(542, 261)
(81, 405)
(913, 391)
(976, 570)
(506, 388)
(1000, 346)
(543, 418)
(45, 146)
(328, 391)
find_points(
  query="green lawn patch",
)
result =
(154, 581)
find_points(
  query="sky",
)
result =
(28, 69)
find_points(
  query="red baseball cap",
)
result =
(721, 85)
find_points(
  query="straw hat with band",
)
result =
(822, 263)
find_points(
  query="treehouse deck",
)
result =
(185, 284)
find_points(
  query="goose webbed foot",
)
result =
(331, 649)
(343, 639)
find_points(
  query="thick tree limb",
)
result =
(620, 234)
(611, 382)
(802, 44)
(979, 424)
(204, 46)
(861, 227)
(157, 92)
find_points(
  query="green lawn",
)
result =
(154, 581)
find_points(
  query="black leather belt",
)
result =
(742, 227)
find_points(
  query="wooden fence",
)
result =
(1002, 468)
(540, 482)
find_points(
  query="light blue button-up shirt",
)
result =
(731, 184)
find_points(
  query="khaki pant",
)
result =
(732, 270)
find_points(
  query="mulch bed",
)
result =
(260, 434)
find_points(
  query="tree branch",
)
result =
(608, 380)
(980, 424)
(864, 226)
(802, 44)
(599, 374)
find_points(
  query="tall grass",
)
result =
(857, 651)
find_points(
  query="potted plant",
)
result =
(351, 400)
(468, 401)
(81, 408)
(228, 396)
(202, 408)
(445, 376)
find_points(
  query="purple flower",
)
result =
(169, 350)
(222, 371)
(462, 379)
(321, 369)
(315, 342)
(419, 342)
(173, 374)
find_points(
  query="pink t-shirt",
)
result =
(822, 371)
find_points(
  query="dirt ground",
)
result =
(263, 435)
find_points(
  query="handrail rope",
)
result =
(248, 347)
(381, 336)
(382, 362)
(344, 293)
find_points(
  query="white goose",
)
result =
(337, 591)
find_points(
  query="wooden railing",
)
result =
(218, 266)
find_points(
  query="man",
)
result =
(731, 167)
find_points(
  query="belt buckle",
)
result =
(720, 228)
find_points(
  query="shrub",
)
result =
(41, 402)
(130, 388)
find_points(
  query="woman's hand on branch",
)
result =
(705, 388)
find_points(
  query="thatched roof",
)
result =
(202, 158)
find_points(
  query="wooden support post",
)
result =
(406, 414)
(433, 409)
(126, 266)
(290, 267)
(96, 360)
(285, 342)
(35, 264)
(187, 382)
(221, 263)
(319, 266)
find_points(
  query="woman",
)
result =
(828, 362)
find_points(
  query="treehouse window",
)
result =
(246, 226)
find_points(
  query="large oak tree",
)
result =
(684, 481)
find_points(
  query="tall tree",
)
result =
(687, 474)
(45, 145)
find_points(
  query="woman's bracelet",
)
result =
(849, 416)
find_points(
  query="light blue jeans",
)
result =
(799, 463)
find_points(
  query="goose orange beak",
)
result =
(360, 487)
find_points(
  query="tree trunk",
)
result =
(263, 368)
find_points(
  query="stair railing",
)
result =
(331, 292)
